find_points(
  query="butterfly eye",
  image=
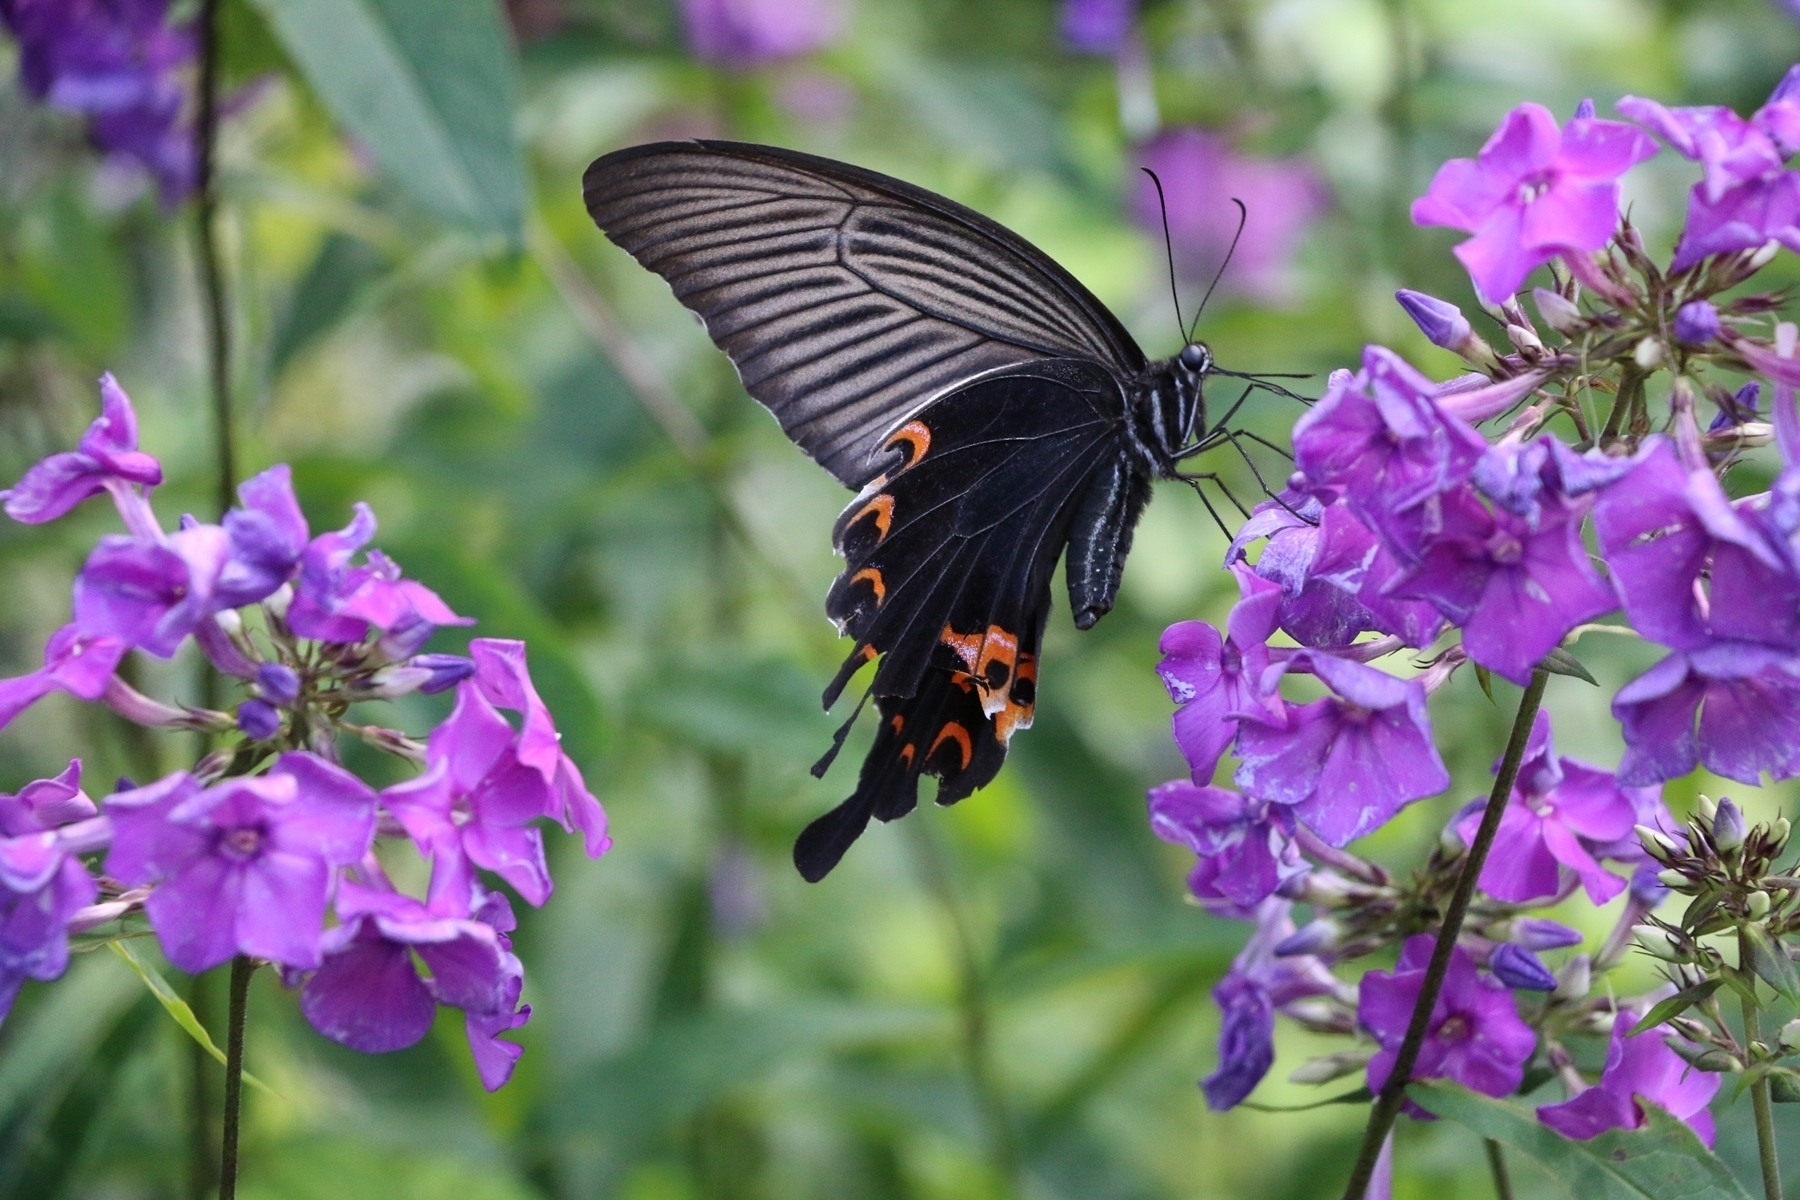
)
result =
(1196, 357)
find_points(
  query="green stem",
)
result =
(1497, 1167)
(241, 969)
(1387, 1102)
(973, 1011)
(212, 275)
(1631, 388)
(200, 1068)
(1759, 1098)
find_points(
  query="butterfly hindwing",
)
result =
(845, 298)
(949, 558)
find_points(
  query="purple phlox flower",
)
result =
(1747, 701)
(1641, 1068)
(106, 459)
(1201, 174)
(151, 594)
(124, 67)
(1349, 762)
(75, 661)
(1515, 589)
(335, 601)
(42, 881)
(1475, 1036)
(475, 802)
(1744, 197)
(369, 994)
(1258, 984)
(1442, 323)
(1098, 26)
(1381, 439)
(243, 867)
(268, 535)
(750, 33)
(1213, 678)
(1244, 851)
(1520, 969)
(1534, 192)
(502, 677)
(1690, 564)
(1560, 814)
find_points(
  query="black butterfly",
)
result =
(987, 409)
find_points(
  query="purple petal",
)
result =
(282, 908)
(369, 997)
(195, 913)
(332, 815)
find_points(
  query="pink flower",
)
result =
(1533, 193)
(1637, 1069)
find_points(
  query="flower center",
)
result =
(242, 842)
(1531, 189)
(462, 810)
(1455, 1029)
(1505, 549)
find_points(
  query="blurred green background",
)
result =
(1007, 998)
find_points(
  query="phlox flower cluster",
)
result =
(1481, 525)
(268, 847)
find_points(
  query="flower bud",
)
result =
(1789, 1037)
(1673, 879)
(1656, 844)
(1559, 312)
(1525, 341)
(1757, 905)
(1648, 355)
(213, 765)
(1764, 256)
(1328, 1067)
(1584, 110)
(277, 683)
(1315, 937)
(1319, 1015)
(1442, 323)
(1779, 832)
(1538, 933)
(1717, 1061)
(259, 719)
(1696, 323)
(1517, 968)
(1575, 979)
(1707, 807)
(1657, 943)
(230, 622)
(1728, 827)
(277, 602)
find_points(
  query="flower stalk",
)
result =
(241, 969)
(1387, 1102)
(212, 274)
(1759, 1093)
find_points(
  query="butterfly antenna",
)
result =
(1162, 205)
(1243, 217)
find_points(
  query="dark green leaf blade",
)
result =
(1677, 1004)
(1662, 1161)
(1770, 961)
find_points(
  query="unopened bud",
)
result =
(1575, 979)
(1789, 1037)
(1517, 967)
(1728, 827)
(1671, 878)
(1656, 844)
(1560, 313)
(1319, 1015)
(1539, 933)
(1717, 1061)
(1315, 937)
(1648, 355)
(1757, 904)
(213, 765)
(278, 601)
(1696, 323)
(1779, 831)
(1707, 807)
(1765, 255)
(1328, 1067)
(1657, 943)
(1525, 341)
(259, 720)
(230, 622)
(1442, 323)
(277, 683)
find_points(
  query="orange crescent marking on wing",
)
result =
(875, 582)
(917, 435)
(1016, 714)
(906, 754)
(868, 652)
(955, 732)
(899, 722)
(883, 508)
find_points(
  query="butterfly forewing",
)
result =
(846, 299)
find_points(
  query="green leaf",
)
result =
(1677, 1004)
(427, 86)
(1664, 1160)
(1485, 678)
(1560, 662)
(1361, 1095)
(1784, 1086)
(178, 1008)
(1770, 961)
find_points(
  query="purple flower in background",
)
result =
(1257, 985)
(1349, 762)
(1097, 26)
(1212, 679)
(1534, 192)
(123, 66)
(151, 594)
(42, 882)
(1380, 438)
(243, 867)
(268, 534)
(1244, 855)
(1201, 174)
(106, 458)
(1475, 1036)
(336, 601)
(75, 661)
(1744, 197)
(1747, 701)
(475, 802)
(1515, 586)
(1641, 1068)
(750, 33)
(368, 993)
(501, 676)
(1561, 814)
